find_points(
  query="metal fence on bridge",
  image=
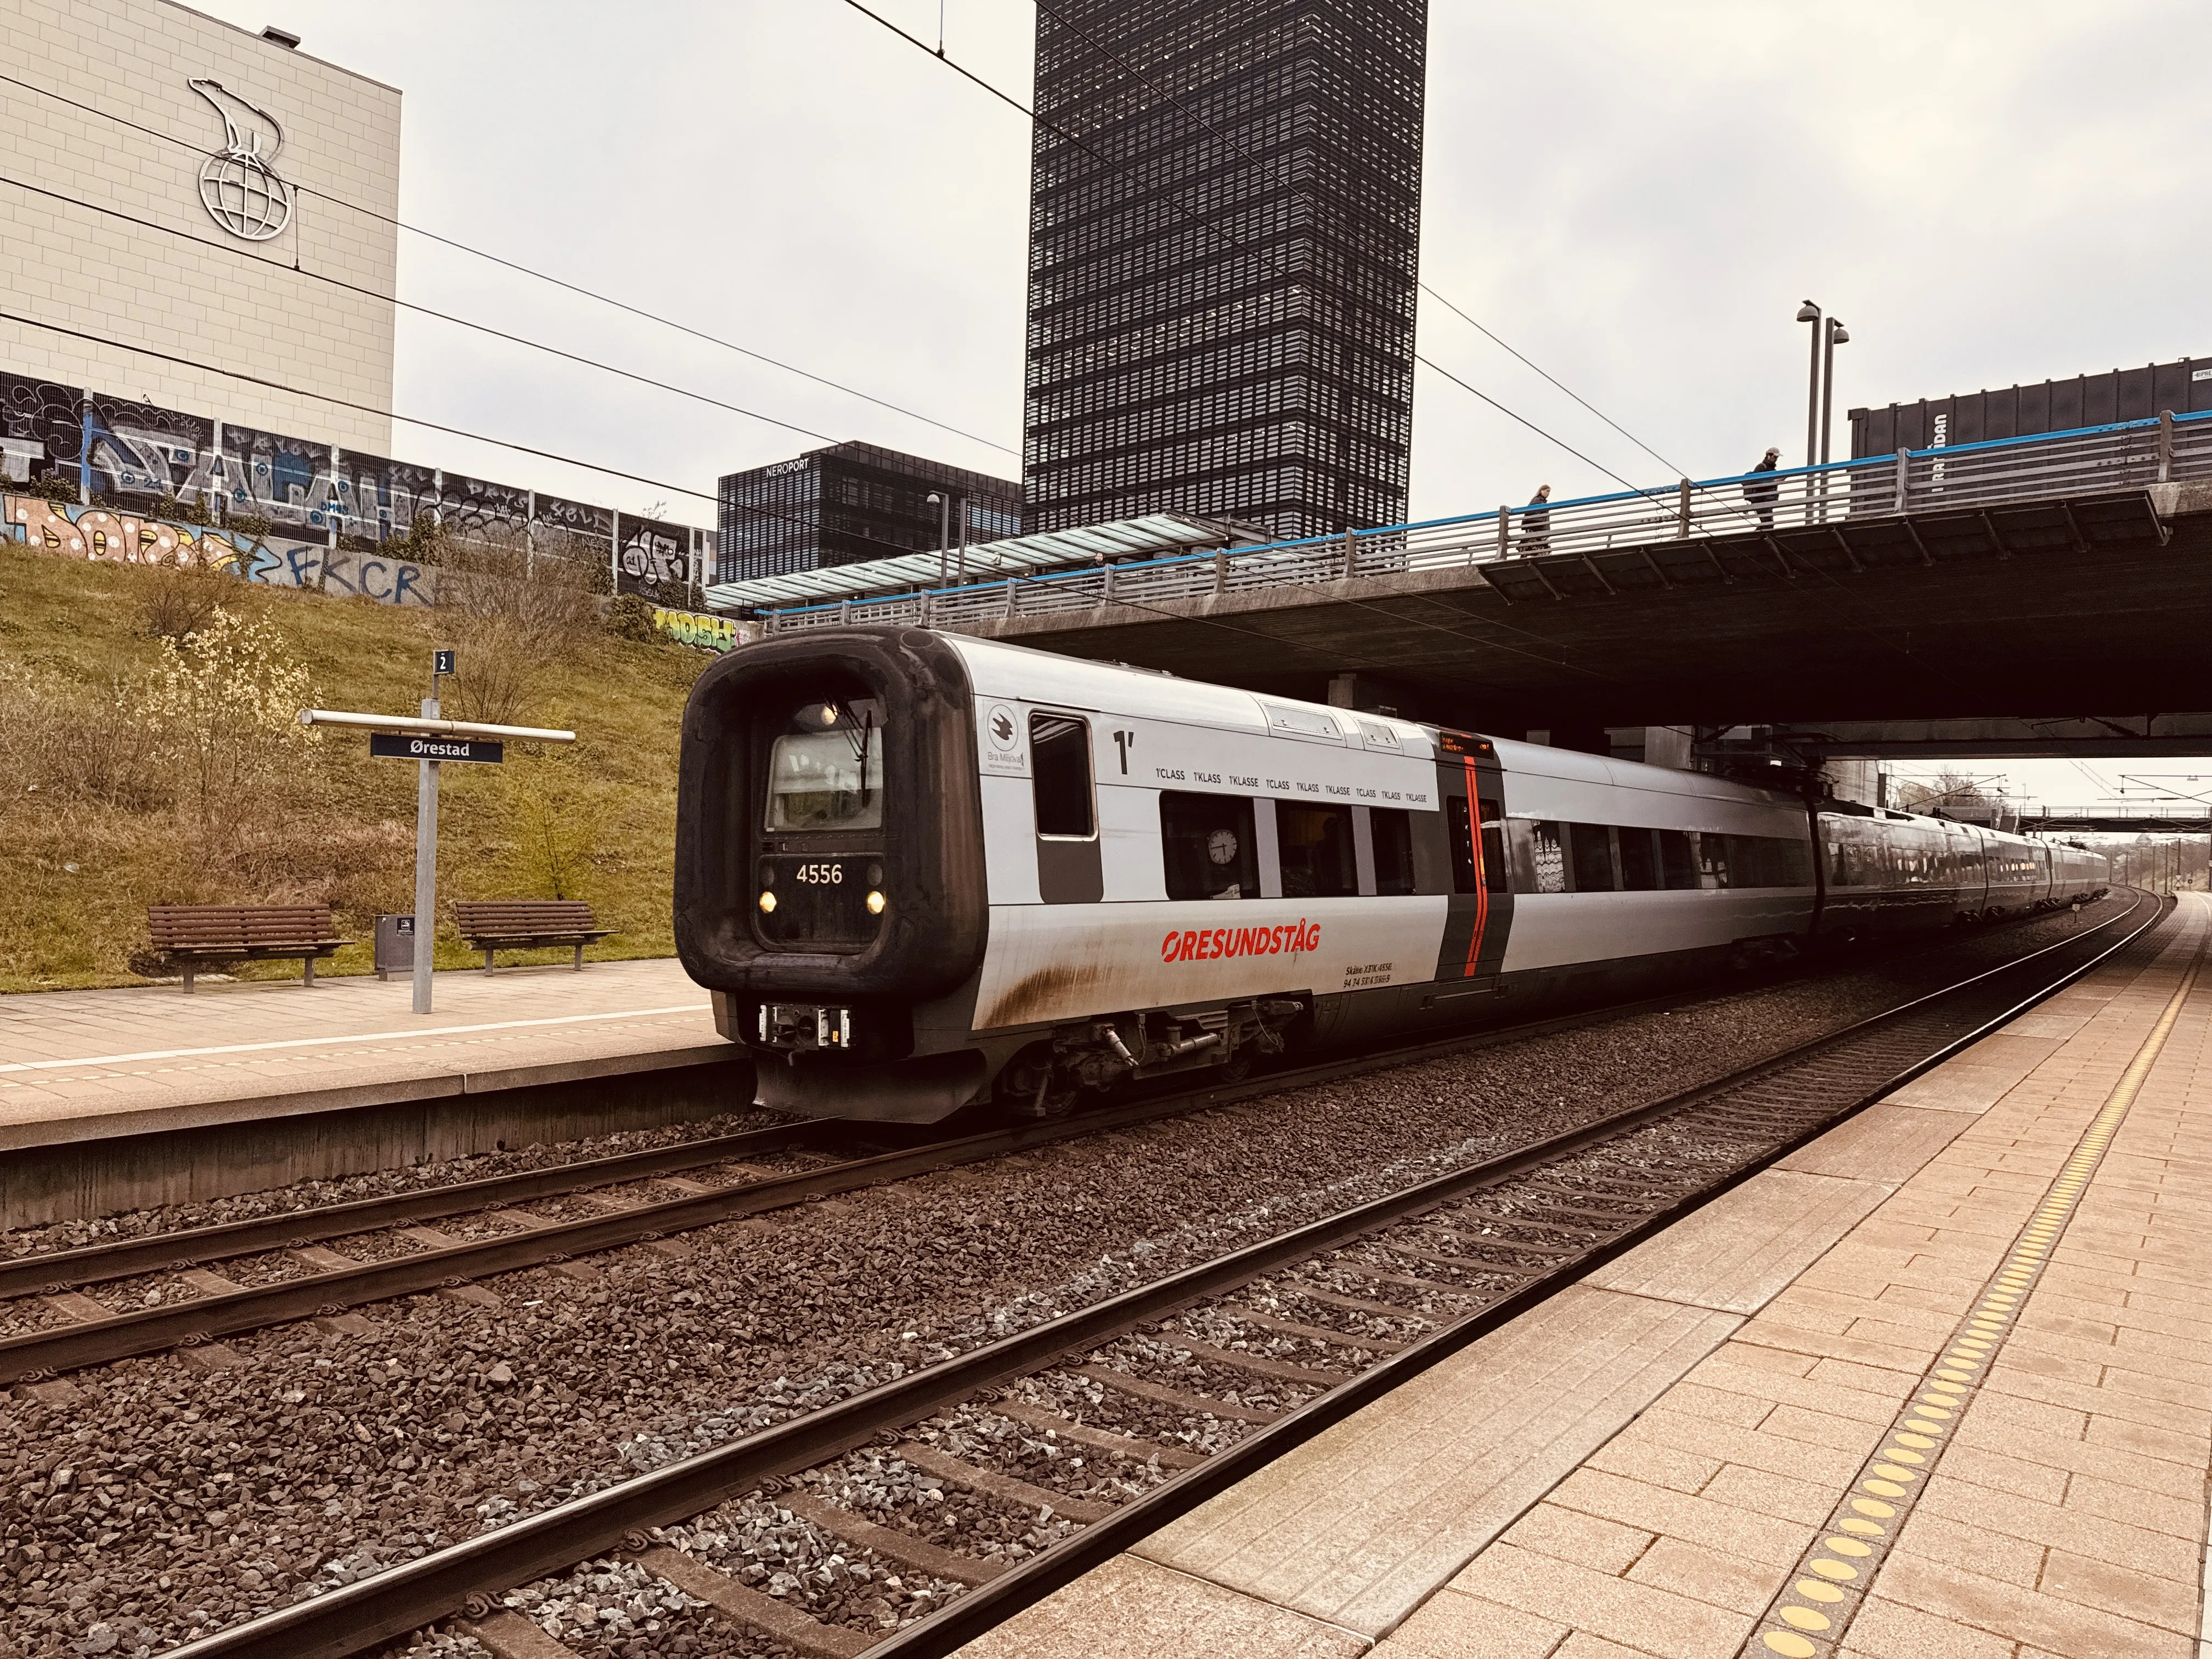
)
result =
(2006, 471)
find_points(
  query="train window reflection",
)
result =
(1590, 854)
(1547, 858)
(826, 771)
(1391, 828)
(1678, 857)
(1639, 861)
(1207, 844)
(1318, 860)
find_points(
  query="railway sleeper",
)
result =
(1311, 1333)
(1192, 1405)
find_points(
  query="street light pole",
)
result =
(1838, 335)
(943, 503)
(1809, 313)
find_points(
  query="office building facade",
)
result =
(205, 176)
(852, 502)
(1225, 217)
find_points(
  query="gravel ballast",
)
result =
(194, 1496)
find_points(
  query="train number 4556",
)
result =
(826, 875)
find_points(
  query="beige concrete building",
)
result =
(240, 192)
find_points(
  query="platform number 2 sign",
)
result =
(1125, 741)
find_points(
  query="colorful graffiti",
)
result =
(707, 633)
(119, 448)
(99, 532)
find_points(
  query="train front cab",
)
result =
(829, 882)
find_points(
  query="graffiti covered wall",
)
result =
(138, 457)
(99, 532)
(708, 632)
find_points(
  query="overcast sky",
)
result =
(1636, 195)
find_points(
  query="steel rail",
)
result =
(990, 1604)
(203, 1317)
(54, 1271)
(357, 1616)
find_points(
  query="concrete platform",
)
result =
(147, 1095)
(1938, 1384)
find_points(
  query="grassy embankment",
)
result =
(117, 792)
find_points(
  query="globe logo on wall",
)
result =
(239, 189)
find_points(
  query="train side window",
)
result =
(1459, 829)
(1207, 844)
(1678, 857)
(1317, 853)
(1639, 861)
(1060, 776)
(1547, 857)
(1767, 861)
(1590, 855)
(1712, 859)
(1392, 829)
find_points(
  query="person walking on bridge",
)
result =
(1536, 524)
(1760, 492)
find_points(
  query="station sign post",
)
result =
(430, 741)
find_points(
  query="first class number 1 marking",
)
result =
(1124, 742)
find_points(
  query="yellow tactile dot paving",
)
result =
(1950, 1380)
(1806, 1618)
(1815, 1589)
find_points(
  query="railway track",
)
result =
(299, 1275)
(1315, 1322)
(322, 1261)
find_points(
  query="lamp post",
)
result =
(1809, 313)
(1838, 335)
(943, 505)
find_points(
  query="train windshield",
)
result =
(826, 770)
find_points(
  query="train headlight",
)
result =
(768, 903)
(876, 904)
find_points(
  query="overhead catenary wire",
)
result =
(531, 271)
(1011, 102)
(1061, 132)
(413, 420)
(426, 311)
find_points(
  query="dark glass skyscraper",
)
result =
(1223, 261)
(850, 502)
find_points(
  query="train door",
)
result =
(1471, 786)
(1070, 870)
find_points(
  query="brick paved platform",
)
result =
(365, 1077)
(1938, 1385)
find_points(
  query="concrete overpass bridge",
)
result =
(2049, 595)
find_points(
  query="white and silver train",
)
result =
(918, 869)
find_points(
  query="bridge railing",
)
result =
(2090, 460)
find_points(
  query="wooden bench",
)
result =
(189, 934)
(490, 925)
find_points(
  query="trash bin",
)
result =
(395, 945)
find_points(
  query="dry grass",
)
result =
(100, 816)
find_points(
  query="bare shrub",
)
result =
(513, 617)
(73, 742)
(180, 600)
(555, 816)
(226, 702)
